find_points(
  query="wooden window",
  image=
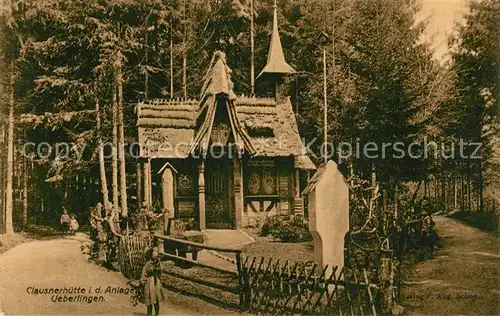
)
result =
(216, 181)
(261, 181)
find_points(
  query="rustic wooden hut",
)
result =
(231, 159)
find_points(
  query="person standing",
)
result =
(154, 293)
(65, 220)
(73, 224)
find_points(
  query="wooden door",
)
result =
(218, 206)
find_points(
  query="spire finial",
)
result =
(276, 63)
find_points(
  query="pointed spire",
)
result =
(276, 63)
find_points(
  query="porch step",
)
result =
(226, 238)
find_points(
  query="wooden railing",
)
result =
(264, 286)
(238, 290)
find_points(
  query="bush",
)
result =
(180, 225)
(287, 230)
(271, 224)
(41, 231)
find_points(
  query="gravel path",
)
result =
(462, 279)
(59, 264)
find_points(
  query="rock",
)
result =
(397, 310)
(87, 257)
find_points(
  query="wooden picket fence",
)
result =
(297, 288)
(131, 255)
(267, 286)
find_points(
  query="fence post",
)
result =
(240, 280)
(385, 280)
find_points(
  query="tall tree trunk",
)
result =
(443, 192)
(462, 195)
(121, 140)
(25, 192)
(9, 225)
(102, 166)
(171, 60)
(334, 86)
(436, 193)
(455, 192)
(184, 52)
(2, 172)
(395, 220)
(373, 205)
(114, 159)
(426, 188)
(468, 189)
(252, 51)
(481, 187)
(146, 74)
(139, 185)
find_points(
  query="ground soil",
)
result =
(267, 248)
(9, 241)
(463, 278)
(59, 263)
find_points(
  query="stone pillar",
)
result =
(201, 195)
(328, 198)
(238, 193)
(167, 186)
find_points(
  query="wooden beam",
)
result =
(204, 265)
(227, 288)
(197, 245)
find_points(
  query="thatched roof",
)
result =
(165, 142)
(278, 118)
(280, 137)
(167, 113)
(303, 162)
(263, 127)
(165, 124)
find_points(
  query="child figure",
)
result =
(65, 219)
(153, 290)
(73, 225)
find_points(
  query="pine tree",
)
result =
(476, 55)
